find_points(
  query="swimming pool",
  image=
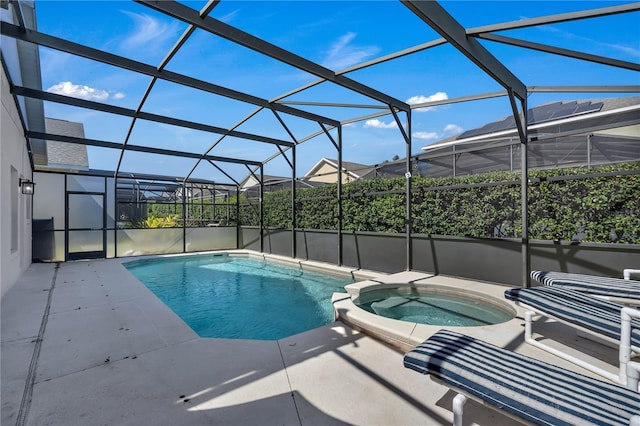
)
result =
(433, 306)
(239, 297)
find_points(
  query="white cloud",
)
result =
(67, 88)
(628, 50)
(438, 96)
(377, 124)
(449, 130)
(427, 136)
(343, 54)
(229, 16)
(452, 129)
(149, 33)
(420, 99)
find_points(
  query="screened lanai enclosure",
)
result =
(475, 139)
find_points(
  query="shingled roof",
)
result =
(63, 153)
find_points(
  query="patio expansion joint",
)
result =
(25, 403)
(286, 372)
(31, 338)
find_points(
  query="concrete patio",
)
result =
(85, 343)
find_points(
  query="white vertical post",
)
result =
(458, 409)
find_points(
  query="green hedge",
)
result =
(593, 209)
(597, 209)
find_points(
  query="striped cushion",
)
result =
(533, 390)
(602, 286)
(597, 315)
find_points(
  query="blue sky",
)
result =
(334, 34)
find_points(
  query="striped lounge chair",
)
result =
(524, 388)
(625, 291)
(587, 314)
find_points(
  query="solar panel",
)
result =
(566, 110)
(588, 107)
(537, 115)
(542, 113)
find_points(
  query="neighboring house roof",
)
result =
(598, 132)
(545, 116)
(250, 181)
(355, 170)
(63, 153)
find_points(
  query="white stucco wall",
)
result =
(15, 252)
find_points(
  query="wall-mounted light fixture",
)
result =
(27, 186)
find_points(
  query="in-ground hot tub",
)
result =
(406, 313)
(434, 305)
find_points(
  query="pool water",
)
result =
(240, 297)
(432, 307)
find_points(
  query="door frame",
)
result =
(98, 254)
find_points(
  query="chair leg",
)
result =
(528, 337)
(458, 408)
(633, 375)
(528, 326)
(629, 370)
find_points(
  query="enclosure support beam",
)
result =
(338, 146)
(213, 205)
(183, 38)
(112, 109)
(584, 89)
(220, 139)
(238, 223)
(444, 24)
(52, 42)
(235, 35)
(340, 245)
(23, 119)
(407, 218)
(292, 165)
(409, 224)
(326, 132)
(261, 208)
(294, 225)
(137, 148)
(133, 123)
(184, 218)
(554, 19)
(521, 123)
(453, 160)
(589, 151)
(17, 7)
(526, 258)
(559, 51)
(224, 173)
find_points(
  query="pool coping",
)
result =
(304, 264)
